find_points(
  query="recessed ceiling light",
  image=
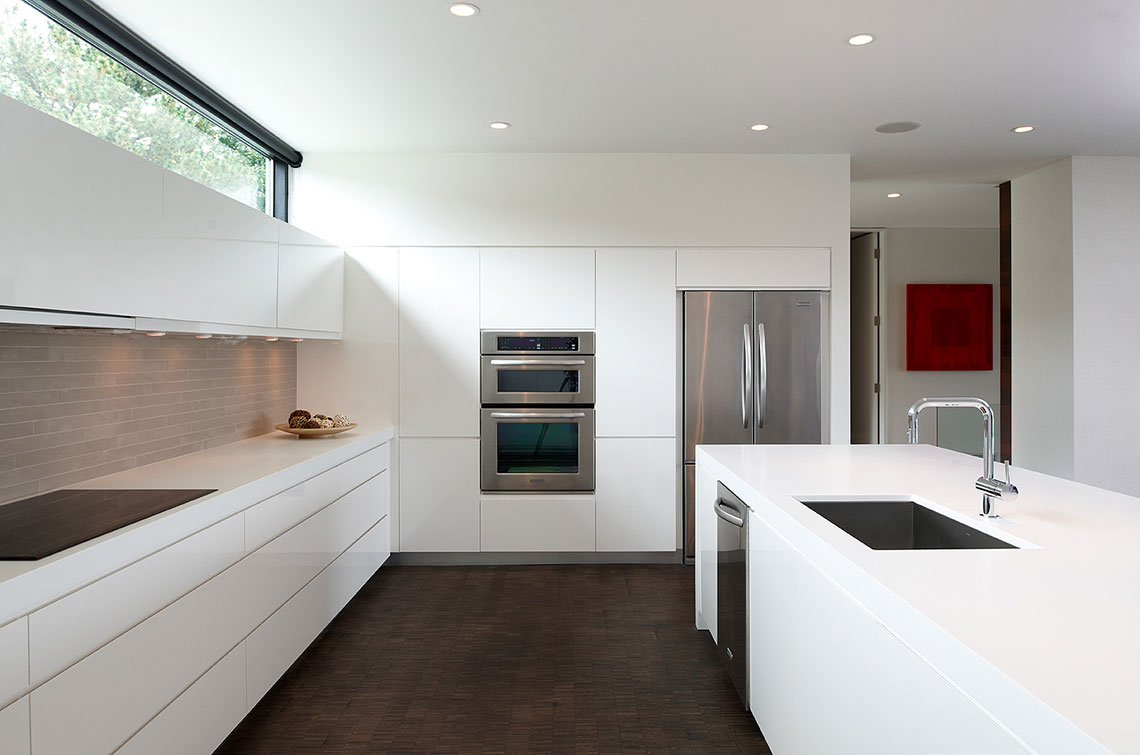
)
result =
(271, 339)
(894, 195)
(204, 335)
(861, 39)
(897, 127)
(1022, 129)
(463, 9)
(500, 125)
(156, 333)
(759, 127)
(297, 340)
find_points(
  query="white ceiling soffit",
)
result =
(639, 76)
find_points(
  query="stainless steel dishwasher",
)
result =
(732, 587)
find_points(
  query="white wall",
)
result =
(1041, 301)
(936, 255)
(1106, 310)
(588, 200)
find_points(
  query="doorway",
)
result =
(866, 386)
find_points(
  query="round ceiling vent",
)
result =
(897, 127)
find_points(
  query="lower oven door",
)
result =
(537, 450)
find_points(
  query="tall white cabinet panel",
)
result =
(310, 287)
(201, 717)
(636, 495)
(537, 289)
(905, 706)
(439, 494)
(15, 728)
(636, 342)
(439, 343)
(189, 211)
(13, 658)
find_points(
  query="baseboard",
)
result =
(537, 558)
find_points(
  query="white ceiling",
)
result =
(684, 76)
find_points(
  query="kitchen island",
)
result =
(1026, 649)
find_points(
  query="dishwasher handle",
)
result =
(728, 513)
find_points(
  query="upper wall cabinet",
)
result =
(755, 268)
(310, 282)
(439, 343)
(637, 339)
(89, 227)
(536, 289)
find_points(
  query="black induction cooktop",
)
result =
(39, 526)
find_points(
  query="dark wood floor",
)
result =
(508, 659)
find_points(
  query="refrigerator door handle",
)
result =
(762, 383)
(745, 374)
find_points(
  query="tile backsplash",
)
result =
(80, 404)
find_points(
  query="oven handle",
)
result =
(558, 362)
(538, 415)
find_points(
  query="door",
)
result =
(788, 385)
(865, 339)
(717, 381)
(718, 371)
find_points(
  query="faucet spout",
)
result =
(991, 487)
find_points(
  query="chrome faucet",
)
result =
(991, 487)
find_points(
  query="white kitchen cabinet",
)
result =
(439, 494)
(191, 210)
(706, 552)
(281, 639)
(15, 728)
(201, 717)
(13, 659)
(359, 469)
(521, 523)
(637, 342)
(636, 493)
(310, 287)
(858, 689)
(536, 289)
(755, 268)
(439, 343)
(74, 626)
(772, 634)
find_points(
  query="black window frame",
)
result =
(96, 27)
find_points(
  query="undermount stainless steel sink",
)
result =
(902, 525)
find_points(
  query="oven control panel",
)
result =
(500, 342)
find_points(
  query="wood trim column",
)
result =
(1005, 243)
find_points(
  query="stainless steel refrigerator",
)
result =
(753, 373)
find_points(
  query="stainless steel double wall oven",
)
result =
(537, 423)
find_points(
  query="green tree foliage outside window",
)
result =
(47, 67)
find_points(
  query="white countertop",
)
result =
(1060, 620)
(244, 473)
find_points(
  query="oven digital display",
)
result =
(538, 343)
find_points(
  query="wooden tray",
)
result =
(313, 432)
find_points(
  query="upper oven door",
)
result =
(531, 379)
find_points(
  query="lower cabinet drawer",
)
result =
(13, 659)
(77, 624)
(523, 523)
(201, 717)
(357, 565)
(281, 639)
(15, 728)
(361, 468)
(276, 514)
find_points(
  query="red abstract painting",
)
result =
(949, 326)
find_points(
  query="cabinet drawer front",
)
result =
(279, 641)
(201, 717)
(357, 565)
(65, 631)
(274, 515)
(360, 468)
(15, 728)
(537, 523)
(362, 508)
(13, 659)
